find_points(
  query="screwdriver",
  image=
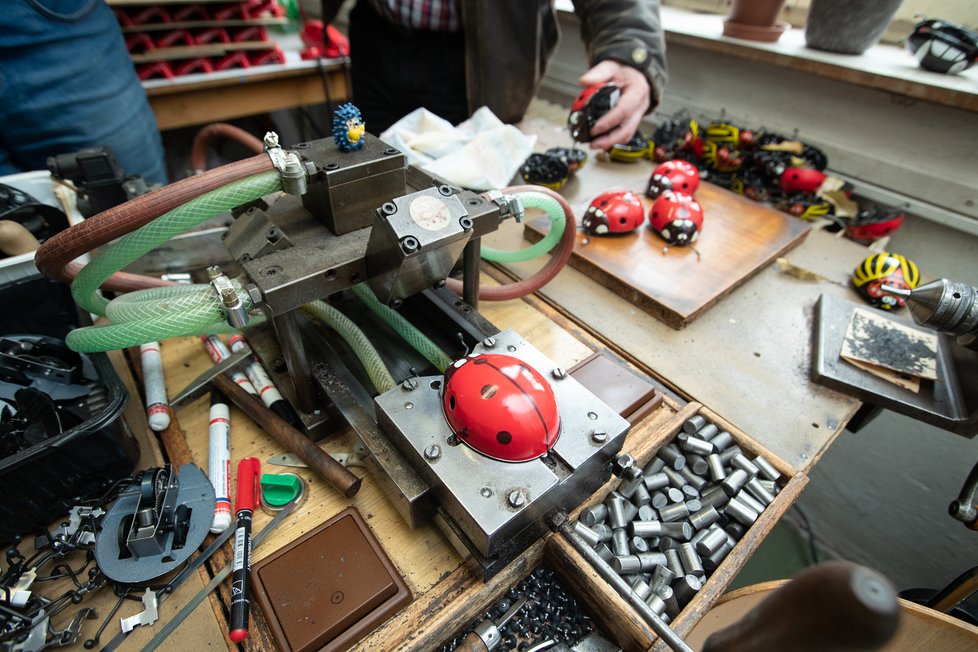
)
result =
(486, 636)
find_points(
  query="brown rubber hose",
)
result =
(565, 247)
(15, 239)
(54, 256)
(218, 131)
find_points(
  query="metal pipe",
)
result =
(470, 272)
(624, 590)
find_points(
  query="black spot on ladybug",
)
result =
(504, 437)
(463, 433)
(604, 203)
(480, 361)
(451, 402)
(622, 220)
(488, 391)
(655, 213)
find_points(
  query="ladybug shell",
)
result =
(867, 232)
(658, 184)
(589, 106)
(684, 176)
(801, 180)
(501, 407)
(614, 212)
(677, 218)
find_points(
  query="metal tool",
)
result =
(147, 616)
(195, 601)
(486, 636)
(944, 305)
(201, 384)
(294, 461)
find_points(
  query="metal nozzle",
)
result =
(900, 292)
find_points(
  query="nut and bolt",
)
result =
(409, 385)
(489, 342)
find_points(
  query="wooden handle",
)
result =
(832, 607)
(337, 475)
(471, 643)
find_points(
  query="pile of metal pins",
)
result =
(667, 527)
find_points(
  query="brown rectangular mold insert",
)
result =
(329, 588)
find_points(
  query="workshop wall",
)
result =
(879, 496)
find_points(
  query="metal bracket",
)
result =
(289, 165)
(509, 205)
(234, 308)
(147, 616)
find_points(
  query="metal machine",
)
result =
(365, 217)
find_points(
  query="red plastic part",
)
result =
(187, 13)
(213, 35)
(140, 42)
(247, 488)
(154, 70)
(197, 64)
(501, 407)
(263, 9)
(251, 33)
(265, 57)
(618, 211)
(868, 233)
(684, 176)
(233, 60)
(801, 180)
(677, 218)
(175, 38)
(149, 15)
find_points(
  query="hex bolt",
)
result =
(619, 543)
(712, 542)
(616, 512)
(741, 462)
(750, 501)
(722, 440)
(603, 531)
(388, 208)
(621, 464)
(410, 244)
(604, 552)
(646, 528)
(685, 588)
(587, 534)
(757, 490)
(715, 464)
(432, 452)
(694, 423)
(733, 483)
(661, 576)
(691, 561)
(638, 545)
(698, 465)
(673, 458)
(645, 513)
(674, 512)
(655, 466)
(594, 514)
(768, 472)
(697, 481)
(713, 562)
(675, 479)
(489, 342)
(708, 432)
(659, 499)
(599, 436)
(704, 518)
(681, 531)
(516, 499)
(626, 564)
(640, 588)
(656, 481)
(741, 512)
(697, 446)
(727, 454)
(656, 604)
(673, 562)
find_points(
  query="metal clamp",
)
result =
(234, 308)
(288, 164)
(509, 205)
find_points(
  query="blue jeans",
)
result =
(66, 82)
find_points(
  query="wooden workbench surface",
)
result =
(747, 357)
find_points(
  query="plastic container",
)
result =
(848, 27)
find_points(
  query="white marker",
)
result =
(267, 390)
(218, 351)
(157, 409)
(219, 461)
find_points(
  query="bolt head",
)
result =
(599, 436)
(432, 453)
(516, 499)
(558, 373)
(271, 139)
(409, 385)
(254, 293)
(489, 342)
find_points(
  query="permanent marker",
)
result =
(246, 499)
(219, 460)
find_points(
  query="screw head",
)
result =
(388, 208)
(516, 499)
(432, 453)
(558, 373)
(489, 342)
(599, 436)
(409, 385)
(271, 139)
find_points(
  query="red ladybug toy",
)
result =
(683, 175)
(801, 180)
(614, 212)
(677, 218)
(501, 407)
(588, 108)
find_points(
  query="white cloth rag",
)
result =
(482, 153)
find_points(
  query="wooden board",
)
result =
(739, 238)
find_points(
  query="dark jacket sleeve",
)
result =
(627, 31)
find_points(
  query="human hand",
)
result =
(620, 123)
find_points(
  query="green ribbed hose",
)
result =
(549, 241)
(152, 235)
(364, 350)
(418, 340)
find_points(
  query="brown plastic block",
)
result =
(624, 391)
(329, 588)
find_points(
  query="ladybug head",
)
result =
(677, 218)
(658, 184)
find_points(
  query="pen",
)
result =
(218, 351)
(219, 460)
(157, 410)
(262, 382)
(247, 497)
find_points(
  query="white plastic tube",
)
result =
(219, 461)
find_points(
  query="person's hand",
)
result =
(619, 124)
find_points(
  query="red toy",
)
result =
(501, 407)
(801, 180)
(677, 218)
(590, 105)
(683, 175)
(614, 212)
(331, 45)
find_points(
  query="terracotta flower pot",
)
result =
(755, 20)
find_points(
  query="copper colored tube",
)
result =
(219, 130)
(337, 475)
(546, 273)
(54, 256)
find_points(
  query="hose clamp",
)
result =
(289, 165)
(509, 205)
(235, 311)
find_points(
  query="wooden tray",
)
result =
(739, 238)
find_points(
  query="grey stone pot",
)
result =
(848, 26)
